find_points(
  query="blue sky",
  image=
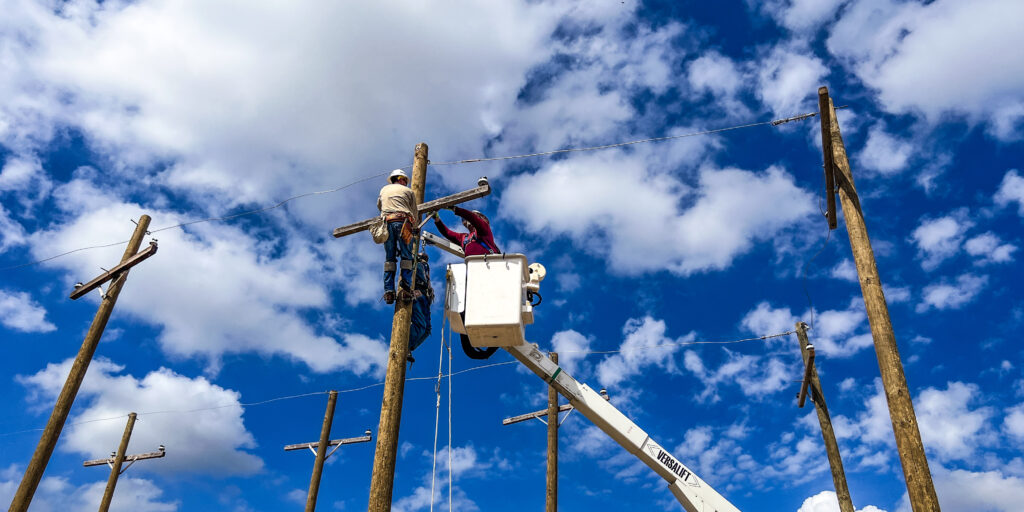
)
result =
(189, 110)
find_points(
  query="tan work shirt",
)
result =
(395, 198)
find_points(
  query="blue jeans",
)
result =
(394, 248)
(419, 330)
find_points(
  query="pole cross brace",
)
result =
(482, 190)
(130, 459)
(114, 273)
(336, 443)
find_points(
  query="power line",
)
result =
(408, 379)
(681, 343)
(261, 402)
(775, 122)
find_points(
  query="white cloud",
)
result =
(965, 490)
(210, 441)
(719, 75)
(948, 295)
(727, 213)
(19, 312)
(216, 93)
(18, 174)
(57, 494)
(12, 233)
(834, 333)
(884, 153)
(297, 496)
(1011, 190)
(764, 319)
(845, 270)
(222, 291)
(826, 501)
(1013, 424)
(950, 428)
(465, 463)
(571, 347)
(988, 248)
(757, 376)
(896, 294)
(801, 16)
(788, 79)
(903, 50)
(644, 345)
(953, 427)
(940, 238)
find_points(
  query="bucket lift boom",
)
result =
(487, 300)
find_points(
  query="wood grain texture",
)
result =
(920, 487)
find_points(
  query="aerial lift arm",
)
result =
(489, 301)
(693, 493)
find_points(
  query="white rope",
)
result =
(449, 346)
(437, 416)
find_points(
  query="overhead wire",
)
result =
(775, 122)
(681, 343)
(411, 379)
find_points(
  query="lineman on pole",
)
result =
(397, 204)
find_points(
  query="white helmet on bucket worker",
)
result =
(395, 174)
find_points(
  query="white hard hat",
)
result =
(396, 174)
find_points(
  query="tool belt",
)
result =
(406, 220)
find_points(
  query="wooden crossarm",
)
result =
(114, 272)
(534, 415)
(333, 442)
(425, 208)
(127, 458)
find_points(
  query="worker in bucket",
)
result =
(397, 204)
(478, 241)
(423, 297)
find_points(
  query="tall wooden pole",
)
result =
(552, 494)
(382, 481)
(48, 440)
(920, 488)
(321, 452)
(115, 467)
(835, 462)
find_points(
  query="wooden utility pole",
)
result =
(382, 481)
(552, 421)
(812, 384)
(320, 452)
(552, 476)
(920, 488)
(117, 459)
(48, 440)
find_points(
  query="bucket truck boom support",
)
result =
(693, 493)
(489, 301)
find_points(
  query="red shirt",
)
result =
(474, 243)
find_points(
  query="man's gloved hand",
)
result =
(435, 215)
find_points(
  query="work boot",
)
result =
(389, 297)
(410, 358)
(405, 295)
